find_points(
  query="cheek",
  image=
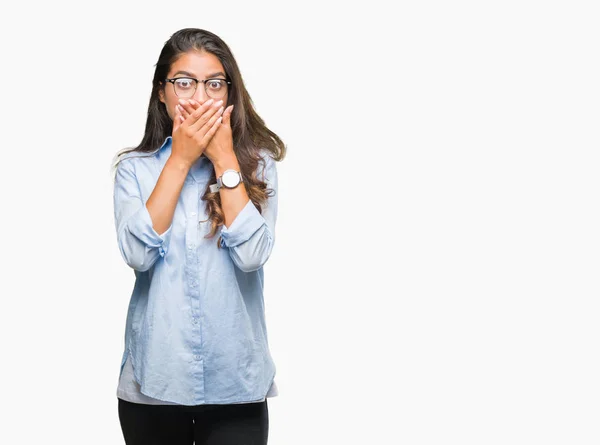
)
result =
(169, 104)
(170, 111)
(170, 107)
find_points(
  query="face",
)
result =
(199, 65)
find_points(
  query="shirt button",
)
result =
(193, 213)
(197, 356)
(195, 320)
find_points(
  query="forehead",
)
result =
(197, 64)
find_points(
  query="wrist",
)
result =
(225, 163)
(181, 165)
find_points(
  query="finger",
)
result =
(194, 104)
(201, 113)
(182, 111)
(193, 107)
(205, 117)
(227, 115)
(177, 119)
(186, 107)
(210, 128)
(213, 129)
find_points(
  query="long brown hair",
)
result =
(250, 134)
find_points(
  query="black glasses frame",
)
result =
(172, 81)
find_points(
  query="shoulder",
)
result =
(266, 154)
(266, 170)
(132, 160)
(137, 156)
(265, 162)
(134, 167)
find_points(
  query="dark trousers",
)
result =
(234, 424)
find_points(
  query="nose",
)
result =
(200, 95)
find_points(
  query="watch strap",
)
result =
(216, 187)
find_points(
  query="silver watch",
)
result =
(229, 179)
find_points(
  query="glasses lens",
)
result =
(216, 88)
(185, 87)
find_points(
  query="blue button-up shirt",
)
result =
(195, 327)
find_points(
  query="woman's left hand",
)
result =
(221, 144)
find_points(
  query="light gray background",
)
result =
(435, 275)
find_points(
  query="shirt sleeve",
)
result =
(251, 236)
(140, 245)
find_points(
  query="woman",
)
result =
(196, 364)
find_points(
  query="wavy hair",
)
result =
(250, 134)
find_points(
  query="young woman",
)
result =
(195, 206)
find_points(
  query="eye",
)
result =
(215, 84)
(184, 84)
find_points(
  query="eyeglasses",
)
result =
(185, 87)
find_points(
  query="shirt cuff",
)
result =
(246, 223)
(141, 227)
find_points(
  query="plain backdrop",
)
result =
(435, 274)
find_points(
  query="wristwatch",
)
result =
(230, 179)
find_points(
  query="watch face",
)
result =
(230, 178)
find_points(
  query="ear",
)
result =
(161, 93)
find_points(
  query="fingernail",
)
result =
(192, 102)
(220, 102)
(209, 101)
(182, 101)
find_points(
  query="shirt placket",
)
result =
(191, 279)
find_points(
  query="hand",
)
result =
(220, 146)
(193, 131)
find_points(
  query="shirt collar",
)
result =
(165, 149)
(167, 141)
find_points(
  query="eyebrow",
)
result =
(210, 76)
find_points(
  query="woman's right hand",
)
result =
(192, 135)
